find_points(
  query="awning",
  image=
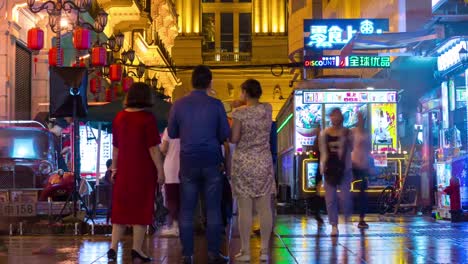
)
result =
(386, 41)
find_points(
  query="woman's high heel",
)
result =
(136, 255)
(111, 255)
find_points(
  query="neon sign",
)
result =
(332, 34)
(349, 97)
(354, 61)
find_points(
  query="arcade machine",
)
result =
(307, 109)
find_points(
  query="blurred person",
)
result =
(107, 184)
(201, 123)
(171, 149)
(317, 199)
(137, 169)
(252, 167)
(335, 144)
(62, 146)
(360, 159)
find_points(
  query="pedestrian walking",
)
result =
(252, 167)
(317, 199)
(137, 168)
(171, 149)
(335, 164)
(361, 164)
(201, 123)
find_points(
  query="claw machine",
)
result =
(307, 109)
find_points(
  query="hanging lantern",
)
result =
(82, 39)
(127, 83)
(53, 56)
(115, 72)
(117, 90)
(95, 85)
(35, 39)
(98, 56)
(109, 95)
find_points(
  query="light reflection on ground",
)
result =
(297, 239)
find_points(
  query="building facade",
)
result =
(149, 26)
(235, 38)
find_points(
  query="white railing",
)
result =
(227, 56)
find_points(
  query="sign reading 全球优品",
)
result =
(353, 61)
(333, 34)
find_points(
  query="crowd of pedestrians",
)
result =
(194, 159)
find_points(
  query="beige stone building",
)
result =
(149, 27)
(235, 38)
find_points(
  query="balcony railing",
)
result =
(220, 56)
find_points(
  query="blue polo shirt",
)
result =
(201, 123)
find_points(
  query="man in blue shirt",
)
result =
(201, 123)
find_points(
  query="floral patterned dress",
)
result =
(252, 164)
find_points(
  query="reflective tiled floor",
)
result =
(297, 240)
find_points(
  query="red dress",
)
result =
(136, 179)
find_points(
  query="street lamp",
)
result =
(128, 55)
(463, 53)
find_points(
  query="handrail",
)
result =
(24, 122)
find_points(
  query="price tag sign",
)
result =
(18, 209)
(380, 159)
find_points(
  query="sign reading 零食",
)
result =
(334, 34)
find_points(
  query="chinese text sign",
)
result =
(333, 34)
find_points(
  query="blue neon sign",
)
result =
(333, 34)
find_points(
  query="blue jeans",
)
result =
(210, 182)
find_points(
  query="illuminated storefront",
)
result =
(452, 148)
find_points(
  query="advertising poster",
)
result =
(380, 159)
(383, 128)
(443, 180)
(88, 149)
(350, 113)
(312, 168)
(308, 118)
(460, 170)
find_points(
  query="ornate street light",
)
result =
(81, 6)
(55, 9)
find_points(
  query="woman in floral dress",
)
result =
(252, 167)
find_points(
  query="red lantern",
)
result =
(99, 56)
(35, 39)
(95, 85)
(53, 56)
(82, 39)
(126, 83)
(108, 95)
(115, 72)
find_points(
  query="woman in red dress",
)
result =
(136, 170)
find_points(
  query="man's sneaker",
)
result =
(334, 231)
(363, 225)
(242, 257)
(264, 255)
(217, 258)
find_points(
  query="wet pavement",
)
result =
(297, 239)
